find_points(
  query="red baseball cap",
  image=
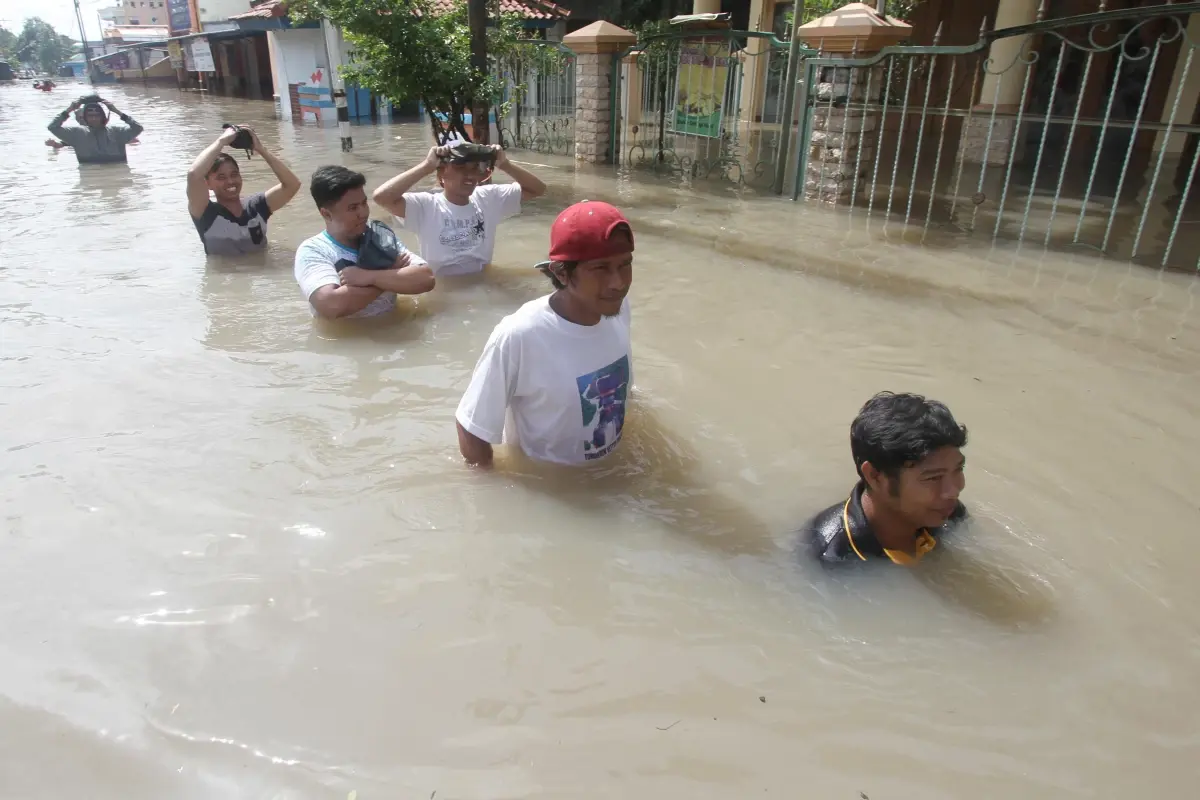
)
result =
(584, 232)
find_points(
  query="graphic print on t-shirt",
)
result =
(461, 234)
(602, 399)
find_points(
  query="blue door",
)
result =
(358, 102)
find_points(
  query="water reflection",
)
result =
(1003, 592)
(110, 187)
(653, 474)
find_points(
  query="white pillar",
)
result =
(1005, 52)
(1187, 75)
(982, 142)
(333, 52)
(754, 61)
(631, 105)
(706, 6)
(283, 105)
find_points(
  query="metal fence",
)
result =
(1080, 131)
(538, 101)
(701, 105)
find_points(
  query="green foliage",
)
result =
(635, 14)
(516, 59)
(38, 43)
(405, 49)
(8, 45)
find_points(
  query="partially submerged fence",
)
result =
(1074, 131)
(701, 105)
(1079, 131)
(537, 105)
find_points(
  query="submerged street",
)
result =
(243, 558)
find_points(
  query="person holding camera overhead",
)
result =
(231, 225)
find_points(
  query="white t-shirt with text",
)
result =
(557, 389)
(459, 240)
(317, 262)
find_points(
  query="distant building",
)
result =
(135, 12)
(300, 67)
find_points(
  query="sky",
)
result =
(59, 13)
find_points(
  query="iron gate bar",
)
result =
(1094, 18)
(1062, 172)
(1162, 151)
(941, 145)
(900, 138)
(1037, 165)
(921, 131)
(774, 44)
(1079, 39)
(1132, 141)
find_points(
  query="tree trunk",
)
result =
(477, 21)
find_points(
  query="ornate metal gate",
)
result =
(700, 105)
(1100, 147)
(537, 103)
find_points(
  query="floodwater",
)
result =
(242, 558)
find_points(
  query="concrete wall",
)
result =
(221, 10)
(158, 69)
(297, 55)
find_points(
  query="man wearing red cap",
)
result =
(554, 376)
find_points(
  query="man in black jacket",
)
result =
(908, 453)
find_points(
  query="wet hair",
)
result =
(221, 161)
(894, 431)
(548, 268)
(330, 184)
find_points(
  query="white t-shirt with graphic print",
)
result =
(459, 240)
(556, 389)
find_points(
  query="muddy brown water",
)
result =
(242, 559)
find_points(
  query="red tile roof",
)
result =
(528, 9)
(268, 10)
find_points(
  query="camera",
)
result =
(243, 140)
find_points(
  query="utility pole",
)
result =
(87, 56)
(480, 107)
(333, 47)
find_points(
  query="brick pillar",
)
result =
(595, 48)
(843, 142)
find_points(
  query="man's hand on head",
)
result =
(257, 145)
(435, 155)
(500, 156)
(356, 276)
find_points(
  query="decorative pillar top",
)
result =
(854, 28)
(600, 37)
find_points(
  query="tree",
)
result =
(8, 45)
(39, 44)
(633, 14)
(412, 49)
